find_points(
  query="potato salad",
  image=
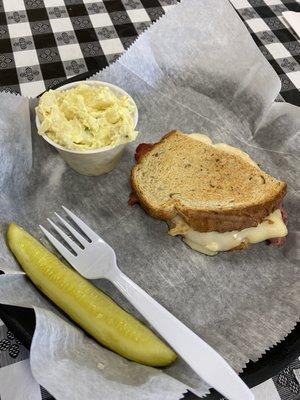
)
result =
(86, 117)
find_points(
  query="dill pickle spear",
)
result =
(93, 310)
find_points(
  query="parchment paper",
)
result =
(198, 70)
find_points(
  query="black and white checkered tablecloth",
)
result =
(275, 40)
(42, 42)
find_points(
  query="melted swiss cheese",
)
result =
(212, 242)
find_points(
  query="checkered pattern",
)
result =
(275, 40)
(43, 42)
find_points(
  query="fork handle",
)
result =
(202, 358)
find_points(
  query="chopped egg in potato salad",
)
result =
(86, 117)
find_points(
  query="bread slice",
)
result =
(212, 187)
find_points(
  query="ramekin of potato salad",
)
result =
(89, 123)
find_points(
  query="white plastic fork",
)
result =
(98, 260)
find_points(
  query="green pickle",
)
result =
(93, 310)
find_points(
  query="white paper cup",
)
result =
(96, 161)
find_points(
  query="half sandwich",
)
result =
(213, 195)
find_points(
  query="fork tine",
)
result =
(74, 246)
(88, 231)
(75, 233)
(61, 248)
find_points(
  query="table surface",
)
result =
(43, 42)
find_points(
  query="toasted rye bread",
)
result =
(212, 188)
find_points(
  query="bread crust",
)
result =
(219, 220)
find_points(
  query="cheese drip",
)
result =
(211, 243)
